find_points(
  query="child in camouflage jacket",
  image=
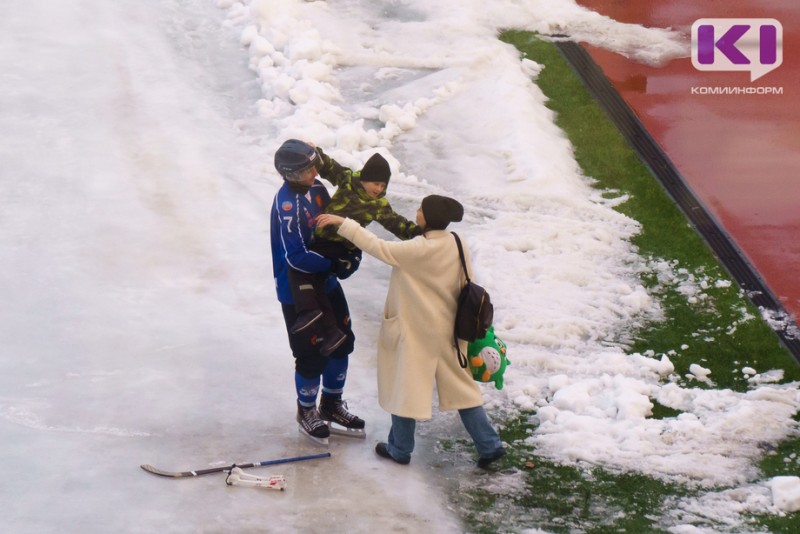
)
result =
(361, 196)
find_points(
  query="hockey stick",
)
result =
(180, 474)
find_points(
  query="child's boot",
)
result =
(333, 340)
(306, 319)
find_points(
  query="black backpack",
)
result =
(474, 313)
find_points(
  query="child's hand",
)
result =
(329, 219)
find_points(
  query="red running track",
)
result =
(740, 154)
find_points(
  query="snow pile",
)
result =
(729, 508)
(557, 239)
(716, 440)
(786, 493)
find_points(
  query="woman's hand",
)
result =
(327, 219)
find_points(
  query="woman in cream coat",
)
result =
(415, 347)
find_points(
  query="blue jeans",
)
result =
(401, 436)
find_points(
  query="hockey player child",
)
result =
(361, 196)
(297, 203)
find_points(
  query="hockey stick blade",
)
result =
(184, 474)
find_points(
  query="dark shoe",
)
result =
(335, 410)
(332, 341)
(484, 461)
(306, 319)
(383, 452)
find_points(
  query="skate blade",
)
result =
(338, 430)
(318, 441)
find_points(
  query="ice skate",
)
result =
(311, 425)
(340, 421)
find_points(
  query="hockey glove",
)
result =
(346, 265)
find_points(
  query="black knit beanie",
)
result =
(376, 169)
(440, 211)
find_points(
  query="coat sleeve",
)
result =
(396, 223)
(329, 169)
(394, 253)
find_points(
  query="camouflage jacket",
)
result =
(351, 200)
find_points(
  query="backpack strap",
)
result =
(462, 359)
(461, 255)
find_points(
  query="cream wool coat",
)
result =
(415, 346)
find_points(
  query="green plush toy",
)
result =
(487, 359)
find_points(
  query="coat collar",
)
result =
(437, 234)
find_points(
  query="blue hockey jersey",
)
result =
(291, 232)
